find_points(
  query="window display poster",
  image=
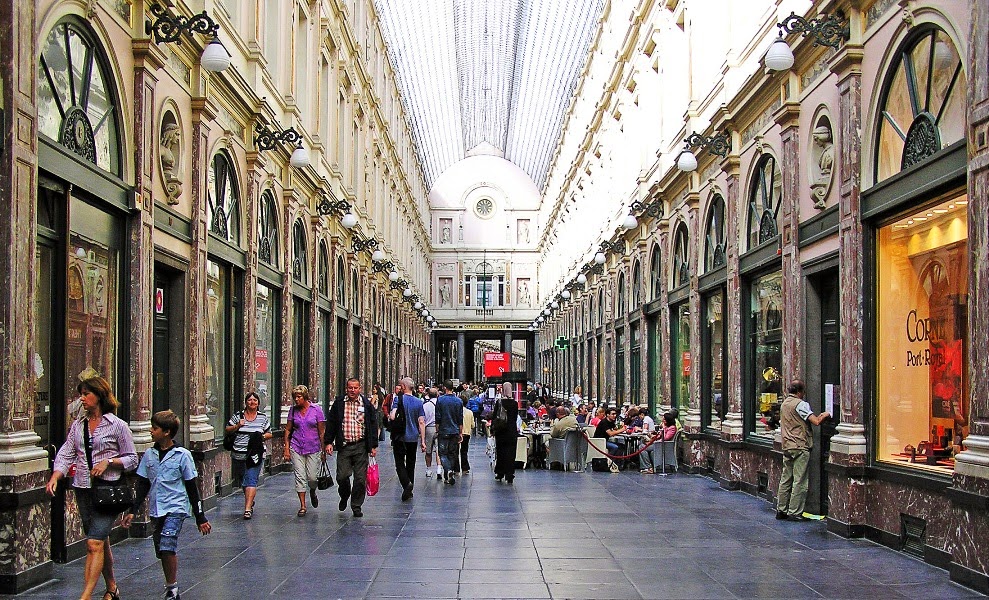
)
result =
(829, 398)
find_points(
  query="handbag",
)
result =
(397, 425)
(228, 438)
(109, 497)
(373, 480)
(323, 479)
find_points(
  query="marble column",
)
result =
(787, 117)
(971, 478)
(732, 428)
(663, 335)
(25, 516)
(848, 447)
(255, 175)
(462, 356)
(692, 420)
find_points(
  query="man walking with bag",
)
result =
(796, 417)
(408, 429)
(352, 430)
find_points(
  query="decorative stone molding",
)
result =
(850, 439)
(974, 460)
(20, 454)
(141, 432)
(732, 427)
(170, 157)
(820, 161)
(199, 429)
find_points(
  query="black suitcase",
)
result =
(600, 465)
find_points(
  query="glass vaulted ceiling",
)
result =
(487, 76)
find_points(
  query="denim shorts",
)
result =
(166, 535)
(248, 476)
(95, 524)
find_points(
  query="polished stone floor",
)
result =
(551, 535)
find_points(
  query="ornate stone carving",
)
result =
(170, 157)
(923, 140)
(821, 162)
(524, 299)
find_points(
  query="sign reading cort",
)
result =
(496, 364)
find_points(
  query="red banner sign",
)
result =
(497, 363)
(260, 360)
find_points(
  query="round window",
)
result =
(484, 208)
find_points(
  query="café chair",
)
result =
(522, 450)
(594, 449)
(668, 454)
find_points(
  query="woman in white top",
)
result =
(577, 397)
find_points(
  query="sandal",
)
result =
(114, 595)
(301, 513)
(248, 514)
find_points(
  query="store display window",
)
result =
(713, 405)
(681, 360)
(266, 361)
(922, 377)
(765, 352)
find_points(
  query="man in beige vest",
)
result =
(796, 417)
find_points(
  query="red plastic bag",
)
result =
(373, 481)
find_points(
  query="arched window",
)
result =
(655, 274)
(590, 313)
(764, 202)
(324, 270)
(714, 241)
(600, 307)
(922, 105)
(268, 230)
(636, 285)
(223, 200)
(77, 103)
(681, 258)
(355, 290)
(300, 254)
(341, 283)
(622, 305)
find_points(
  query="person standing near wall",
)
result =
(796, 417)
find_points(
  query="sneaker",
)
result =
(429, 473)
(450, 480)
(781, 515)
(358, 513)
(798, 518)
(467, 472)
(439, 472)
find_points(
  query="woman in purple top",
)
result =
(304, 444)
(113, 454)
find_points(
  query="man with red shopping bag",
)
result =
(351, 430)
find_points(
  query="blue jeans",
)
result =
(449, 449)
(166, 534)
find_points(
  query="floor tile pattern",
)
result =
(551, 535)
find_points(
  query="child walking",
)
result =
(167, 476)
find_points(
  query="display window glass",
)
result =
(713, 405)
(635, 364)
(655, 275)
(266, 360)
(300, 254)
(681, 257)
(268, 230)
(681, 359)
(300, 341)
(922, 376)
(219, 340)
(620, 366)
(765, 352)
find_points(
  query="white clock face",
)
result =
(484, 208)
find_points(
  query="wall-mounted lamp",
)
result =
(717, 144)
(826, 30)
(382, 266)
(630, 222)
(417, 305)
(327, 207)
(599, 258)
(167, 28)
(581, 279)
(407, 294)
(266, 139)
(565, 294)
(393, 276)
(654, 209)
(398, 284)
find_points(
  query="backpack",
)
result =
(499, 420)
(396, 426)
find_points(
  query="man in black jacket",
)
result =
(351, 429)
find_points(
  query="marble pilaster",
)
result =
(732, 427)
(692, 420)
(255, 173)
(665, 366)
(793, 285)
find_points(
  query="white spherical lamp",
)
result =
(599, 258)
(300, 157)
(554, 305)
(407, 293)
(215, 57)
(779, 57)
(582, 279)
(417, 306)
(630, 222)
(349, 221)
(687, 161)
(565, 294)
(393, 276)
(377, 256)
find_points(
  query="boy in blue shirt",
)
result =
(167, 475)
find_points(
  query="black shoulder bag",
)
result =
(229, 438)
(109, 497)
(397, 425)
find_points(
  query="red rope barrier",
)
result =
(656, 437)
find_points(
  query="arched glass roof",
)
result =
(487, 76)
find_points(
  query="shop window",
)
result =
(590, 313)
(341, 283)
(635, 365)
(300, 254)
(681, 260)
(922, 104)
(620, 293)
(77, 105)
(268, 230)
(266, 360)
(655, 274)
(714, 237)
(600, 306)
(636, 285)
(223, 200)
(324, 270)
(765, 353)
(300, 341)
(620, 366)
(922, 336)
(355, 291)
(713, 401)
(765, 196)
(681, 359)
(222, 305)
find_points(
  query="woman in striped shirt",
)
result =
(113, 454)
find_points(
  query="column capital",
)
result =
(20, 453)
(974, 460)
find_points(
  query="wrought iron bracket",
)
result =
(718, 144)
(825, 30)
(653, 209)
(167, 28)
(369, 244)
(326, 207)
(617, 246)
(384, 266)
(266, 139)
(400, 284)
